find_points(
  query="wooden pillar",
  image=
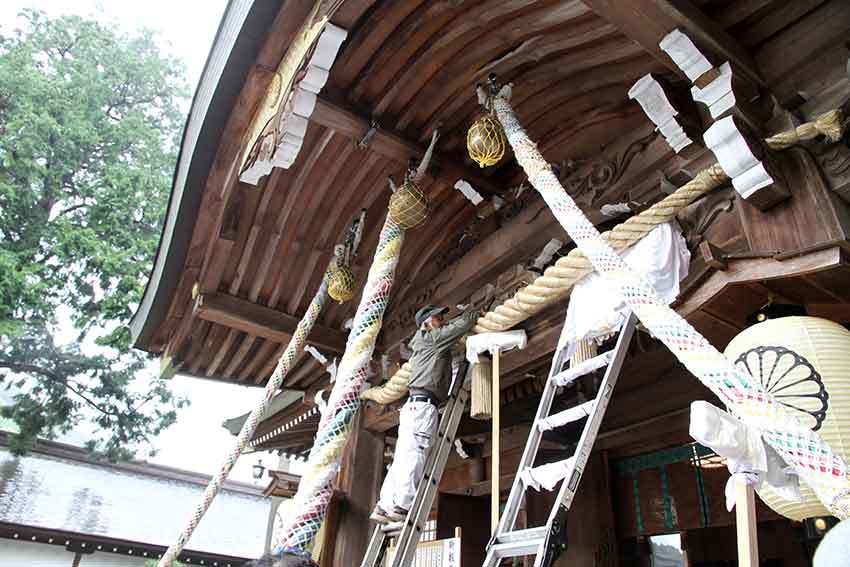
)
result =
(464, 512)
(359, 481)
(270, 524)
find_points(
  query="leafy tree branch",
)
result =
(90, 121)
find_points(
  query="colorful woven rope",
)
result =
(284, 365)
(812, 458)
(315, 488)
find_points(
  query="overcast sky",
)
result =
(187, 27)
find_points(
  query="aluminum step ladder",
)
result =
(407, 533)
(548, 541)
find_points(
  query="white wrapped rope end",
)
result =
(748, 457)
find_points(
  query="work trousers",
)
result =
(417, 429)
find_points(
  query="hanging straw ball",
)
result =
(803, 362)
(408, 206)
(341, 284)
(485, 141)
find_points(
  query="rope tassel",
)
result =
(812, 458)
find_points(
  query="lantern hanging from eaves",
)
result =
(804, 362)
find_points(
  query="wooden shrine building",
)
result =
(305, 109)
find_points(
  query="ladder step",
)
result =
(568, 376)
(548, 475)
(522, 535)
(392, 528)
(569, 415)
(515, 548)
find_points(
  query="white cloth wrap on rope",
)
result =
(489, 342)
(284, 365)
(547, 476)
(747, 455)
(568, 376)
(567, 416)
(597, 310)
(813, 459)
(315, 487)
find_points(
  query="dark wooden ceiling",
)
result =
(412, 67)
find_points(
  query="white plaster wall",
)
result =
(32, 554)
(20, 554)
(112, 560)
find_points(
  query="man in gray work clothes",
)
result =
(430, 379)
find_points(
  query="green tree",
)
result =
(89, 126)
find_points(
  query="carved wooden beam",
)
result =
(648, 21)
(262, 321)
(291, 97)
(392, 145)
(750, 270)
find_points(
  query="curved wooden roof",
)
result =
(257, 254)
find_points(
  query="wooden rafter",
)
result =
(390, 144)
(648, 21)
(261, 321)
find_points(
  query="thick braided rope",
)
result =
(828, 124)
(812, 458)
(558, 280)
(284, 365)
(310, 503)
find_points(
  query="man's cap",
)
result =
(429, 311)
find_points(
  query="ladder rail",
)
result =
(507, 542)
(448, 422)
(532, 445)
(591, 429)
(409, 537)
(375, 549)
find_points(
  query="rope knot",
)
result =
(830, 125)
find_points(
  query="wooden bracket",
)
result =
(687, 57)
(713, 256)
(728, 93)
(280, 147)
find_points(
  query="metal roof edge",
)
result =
(238, 40)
